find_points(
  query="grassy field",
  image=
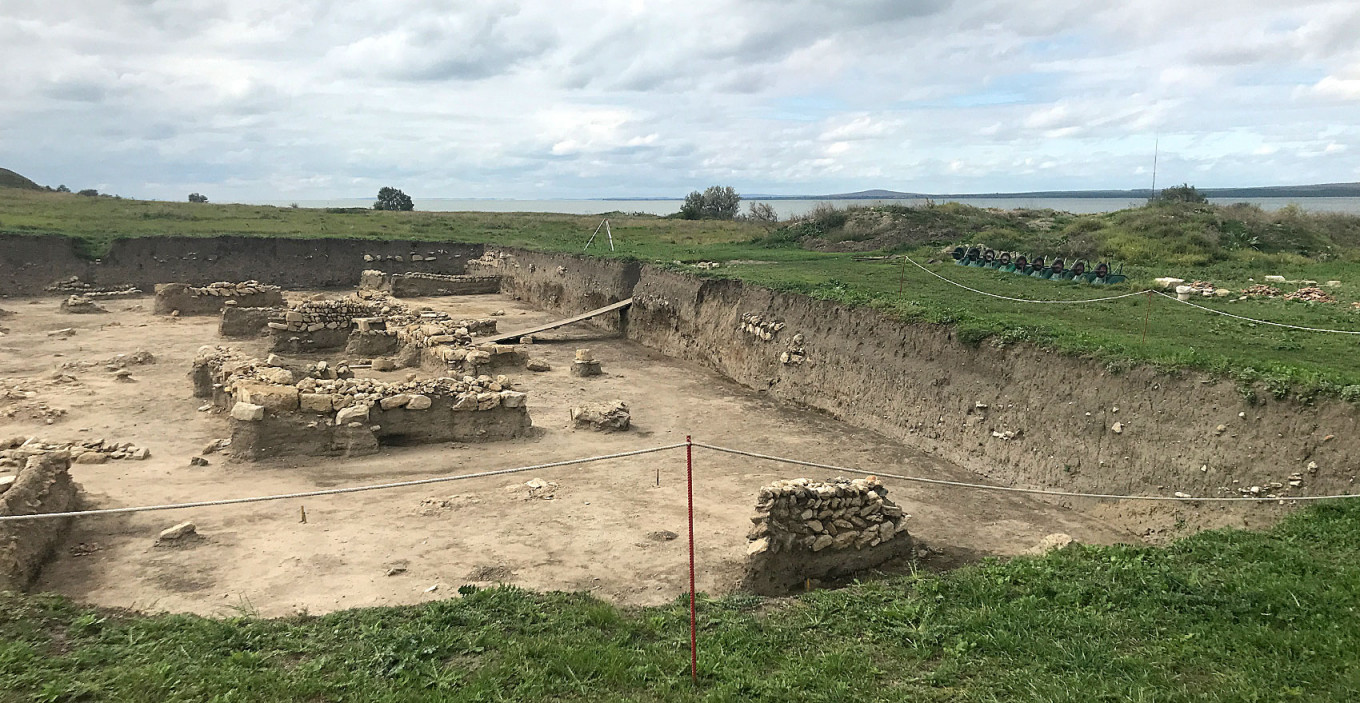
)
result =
(1220, 616)
(1231, 246)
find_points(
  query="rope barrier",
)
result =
(1252, 319)
(1013, 489)
(338, 491)
(1129, 295)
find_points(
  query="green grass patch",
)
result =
(1220, 616)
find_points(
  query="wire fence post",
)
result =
(693, 608)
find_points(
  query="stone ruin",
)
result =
(184, 299)
(413, 284)
(15, 451)
(43, 485)
(373, 326)
(806, 529)
(320, 409)
(81, 305)
(75, 286)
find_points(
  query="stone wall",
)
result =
(416, 284)
(277, 410)
(805, 529)
(43, 485)
(185, 299)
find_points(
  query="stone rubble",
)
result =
(81, 305)
(223, 289)
(612, 416)
(841, 514)
(14, 451)
(757, 326)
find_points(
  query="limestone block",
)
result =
(247, 412)
(178, 532)
(513, 399)
(419, 402)
(315, 402)
(396, 401)
(612, 416)
(585, 368)
(353, 413)
(272, 397)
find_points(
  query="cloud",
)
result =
(253, 100)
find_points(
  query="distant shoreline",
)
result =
(1322, 190)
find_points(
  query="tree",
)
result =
(762, 212)
(715, 203)
(393, 199)
(63, 189)
(198, 198)
(89, 193)
(1183, 193)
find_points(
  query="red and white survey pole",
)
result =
(693, 610)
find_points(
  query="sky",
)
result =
(254, 101)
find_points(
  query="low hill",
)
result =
(10, 179)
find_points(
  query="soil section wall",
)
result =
(28, 264)
(1018, 414)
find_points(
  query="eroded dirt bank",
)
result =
(29, 264)
(1016, 415)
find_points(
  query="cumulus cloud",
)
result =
(252, 100)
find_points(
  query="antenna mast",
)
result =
(1156, 148)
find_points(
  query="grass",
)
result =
(1220, 616)
(1228, 245)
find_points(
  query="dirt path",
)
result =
(605, 528)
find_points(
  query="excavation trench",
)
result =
(729, 363)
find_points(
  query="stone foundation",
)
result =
(414, 284)
(209, 300)
(42, 486)
(817, 530)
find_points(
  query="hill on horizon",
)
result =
(10, 179)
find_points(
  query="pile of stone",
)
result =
(413, 256)
(801, 514)
(77, 286)
(15, 451)
(1310, 294)
(611, 416)
(223, 289)
(1261, 290)
(796, 354)
(494, 260)
(81, 305)
(808, 530)
(585, 364)
(757, 326)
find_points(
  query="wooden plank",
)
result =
(499, 337)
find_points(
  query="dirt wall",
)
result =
(30, 263)
(1018, 414)
(42, 486)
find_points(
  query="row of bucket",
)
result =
(978, 257)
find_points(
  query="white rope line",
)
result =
(1013, 489)
(338, 491)
(1020, 300)
(1129, 295)
(1252, 319)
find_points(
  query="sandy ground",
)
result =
(609, 528)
